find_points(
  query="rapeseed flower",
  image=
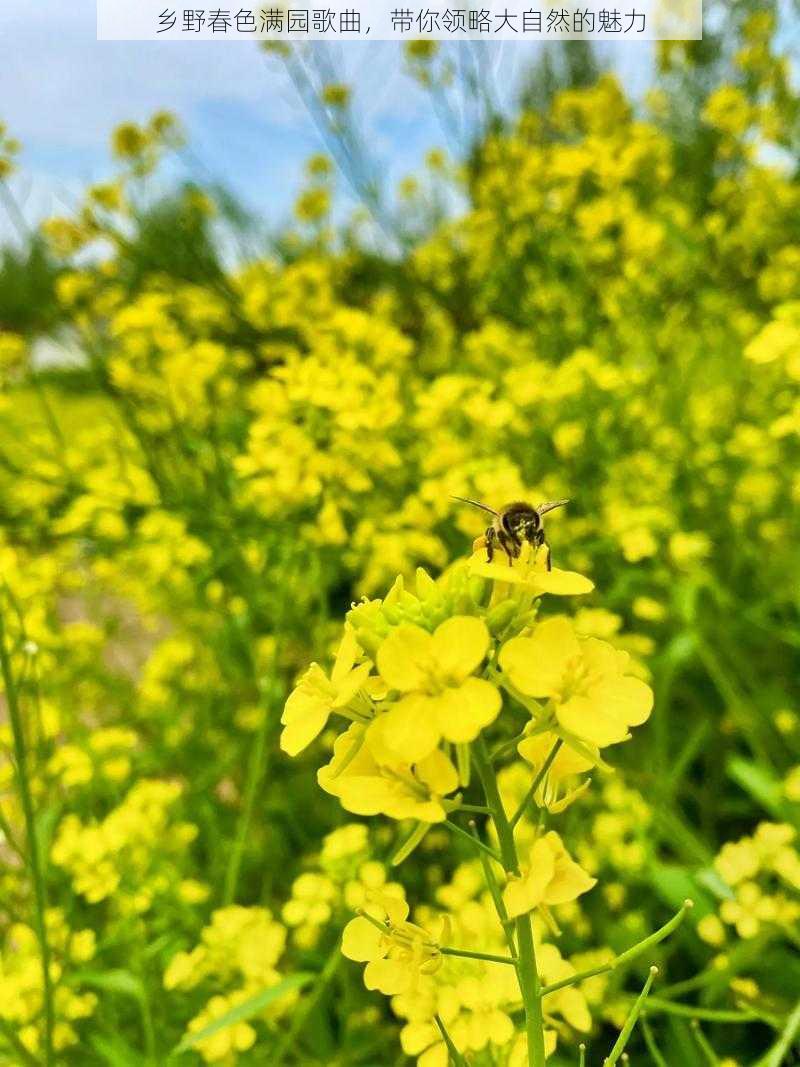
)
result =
(396, 952)
(316, 696)
(440, 696)
(549, 877)
(585, 680)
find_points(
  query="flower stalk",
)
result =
(529, 982)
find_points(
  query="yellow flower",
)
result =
(442, 699)
(584, 678)
(749, 910)
(567, 764)
(308, 708)
(367, 785)
(396, 951)
(530, 571)
(550, 877)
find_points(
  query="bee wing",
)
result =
(475, 504)
(550, 505)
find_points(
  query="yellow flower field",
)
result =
(299, 764)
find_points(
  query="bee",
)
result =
(512, 525)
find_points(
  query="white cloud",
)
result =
(62, 92)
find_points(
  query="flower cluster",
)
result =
(421, 680)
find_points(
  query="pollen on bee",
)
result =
(479, 543)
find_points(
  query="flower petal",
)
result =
(591, 722)
(306, 711)
(437, 772)
(362, 941)
(350, 684)
(346, 656)
(411, 728)
(569, 879)
(628, 699)
(459, 646)
(522, 895)
(536, 664)
(562, 583)
(404, 658)
(462, 712)
(388, 976)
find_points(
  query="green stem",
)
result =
(779, 1050)
(255, 774)
(712, 1015)
(473, 841)
(494, 890)
(478, 955)
(530, 986)
(35, 859)
(148, 1029)
(652, 1047)
(630, 1022)
(705, 1047)
(453, 1052)
(626, 956)
(537, 781)
(326, 976)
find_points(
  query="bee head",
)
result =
(521, 520)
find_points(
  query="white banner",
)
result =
(373, 20)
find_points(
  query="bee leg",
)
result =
(537, 539)
(546, 543)
(490, 536)
(509, 545)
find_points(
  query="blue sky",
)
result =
(62, 92)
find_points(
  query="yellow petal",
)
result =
(435, 1056)
(536, 664)
(361, 941)
(404, 658)
(367, 794)
(462, 712)
(437, 772)
(569, 879)
(602, 658)
(563, 583)
(626, 698)
(346, 656)
(459, 646)
(410, 807)
(589, 722)
(415, 1037)
(499, 1028)
(572, 1005)
(411, 730)
(389, 976)
(350, 684)
(306, 711)
(522, 895)
(567, 762)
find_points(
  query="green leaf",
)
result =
(410, 843)
(116, 1052)
(765, 788)
(246, 1009)
(123, 982)
(675, 884)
